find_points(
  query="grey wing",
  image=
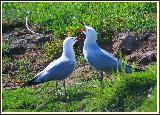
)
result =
(108, 54)
(57, 72)
(103, 61)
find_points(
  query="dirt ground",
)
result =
(138, 48)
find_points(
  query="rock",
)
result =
(129, 44)
(126, 42)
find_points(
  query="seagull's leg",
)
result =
(64, 85)
(56, 88)
(101, 79)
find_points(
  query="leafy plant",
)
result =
(53, 49)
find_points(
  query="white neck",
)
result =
(68, 52)
(90, 41)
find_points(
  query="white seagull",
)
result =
(59, 69)
(99, 58)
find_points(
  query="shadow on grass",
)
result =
(62, 99)
(127, 100)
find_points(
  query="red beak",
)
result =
(78, 37)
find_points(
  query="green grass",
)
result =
(128, 93)
(123, 93)
(64, 17)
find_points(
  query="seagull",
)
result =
(98, 58)
(59, 69)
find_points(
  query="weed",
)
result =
(53, 49)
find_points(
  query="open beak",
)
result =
(81, 33)
(75, 39)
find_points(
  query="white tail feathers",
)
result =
(28, 27)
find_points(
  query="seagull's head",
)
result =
(89, 32)
(70, 41)
(68, 47)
